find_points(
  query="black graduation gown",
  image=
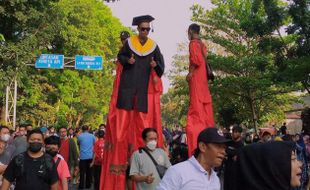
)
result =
(134, 80)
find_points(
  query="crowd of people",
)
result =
(49, 158)
(133, 151)
(46, 158)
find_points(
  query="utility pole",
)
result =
(10, 103)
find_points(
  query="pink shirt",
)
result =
(62, 170)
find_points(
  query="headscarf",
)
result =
(300, 141)
(265, 166)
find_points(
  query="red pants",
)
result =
(199, 117)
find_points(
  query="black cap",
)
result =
(124, 35)
(212, 135)
(139, 19)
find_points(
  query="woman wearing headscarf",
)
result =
(301, 155)
(268, 166)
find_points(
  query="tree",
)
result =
(298, 66)
(24, 27)
(247, 73)
(175, 101)
(68, 97)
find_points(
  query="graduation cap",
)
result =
(139, 19)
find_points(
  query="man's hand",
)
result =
(189, 76)
(149, 179)
(131, 60)
(91, 164)
(2, 169)
(76, 171)
(153, 63)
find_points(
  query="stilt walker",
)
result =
(134, 104)
(200, 112)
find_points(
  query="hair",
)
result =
(22, 126)
(4, 127)
(195, 28)
(100, 133)
(28, 124)
(237, 128)
(62, 127)
(124, 35)
(102, 125)
(52, 140)
(85, 128)
(146, 131)
(51, 127)
(34, 131)
(197, 150)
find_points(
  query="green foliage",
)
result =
(2, 39)
(175, 103)
(70, 27)
(245, 52)
(253, 57)
(300, 13)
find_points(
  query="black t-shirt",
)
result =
(233, 147)
(283, 129)
(36, 176)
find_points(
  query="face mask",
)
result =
(5, 137)
(51, 152)
(151, 144)
(35, 147)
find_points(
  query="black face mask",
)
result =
(51, 152)
(35, 147)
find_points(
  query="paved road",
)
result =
(75, 187)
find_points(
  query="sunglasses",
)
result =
(145, 29)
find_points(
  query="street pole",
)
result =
(7, 105)
(10, 103)
(14, 103)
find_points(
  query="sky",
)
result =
(172, 18)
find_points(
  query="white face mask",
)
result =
(5, 137)
(151, 144)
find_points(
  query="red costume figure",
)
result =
(135, 105)
(200, 113)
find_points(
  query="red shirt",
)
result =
(198, 85)
(64, 149)
(98, 151)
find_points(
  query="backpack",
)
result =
(46, 166)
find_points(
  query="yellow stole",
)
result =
(141, 50)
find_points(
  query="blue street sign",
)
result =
(50, 61)
(88, 62)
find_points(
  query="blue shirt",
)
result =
(86, 142)
(189, 175)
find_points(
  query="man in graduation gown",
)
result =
(200, 113)
(136, 105)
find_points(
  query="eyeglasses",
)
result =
(145, 29)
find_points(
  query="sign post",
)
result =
(88, 62)
(50, 61)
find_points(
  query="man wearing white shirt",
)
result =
(197, 172)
